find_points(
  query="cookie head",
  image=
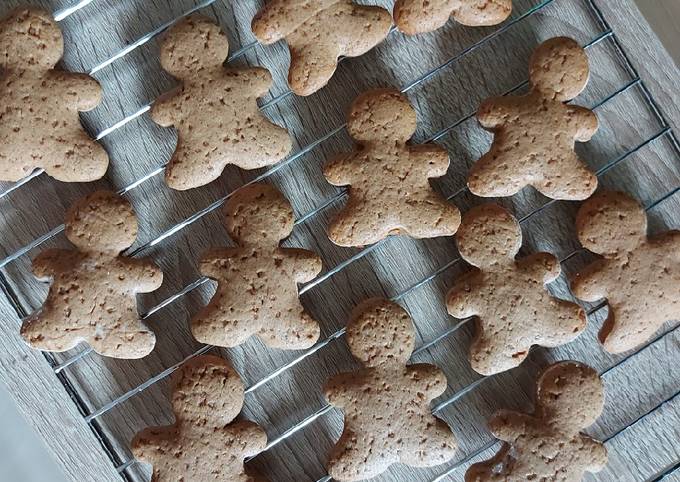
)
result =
(559, 68)
(207, 390)
(381, 115)
(570, 395)
(195, 43)
(30, 38)
(102, 221)
(488, 235)
(611, 223)
(380, 333)
(258, 215)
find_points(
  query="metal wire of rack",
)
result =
(60, 368)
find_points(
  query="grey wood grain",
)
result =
(445, 74)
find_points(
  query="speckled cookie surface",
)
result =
(318, 32)
(534, 134)
(388, 178)
(638, 276)
(508, 296)
(420, 16)
(40, 127)
(204, 444)
(257, 290)
(386, 404)
(547, 445)
(92, 296)
(214, 110)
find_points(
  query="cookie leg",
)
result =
(357, 226)
(419, 16)
(433, 218)
(192, 165)
(434, 445)
(268, 145)
(77, 159)
(571, 181)
(212, 327)
(128, 343)
(311, 66)
(565, 321)
(355, 458)
(493, 175)
(42, 334)
(494, 354)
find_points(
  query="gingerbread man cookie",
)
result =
(204, 443)
(257, 292)
(547, 445)
(420, 16)
(390, 191)
(40, 127)
(638, 276)
(513, 308)
(92, 297)
(318, 32)
(215, 109)
(534, 134)
(387, 403)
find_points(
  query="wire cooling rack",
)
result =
(636, 150)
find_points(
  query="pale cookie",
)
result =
(419, 16)
(92, 297)
(214, 109)
(390, 191)
(508, 297)
(40, 126)
(638, 276)
(205, 443)
(548, 445)
(257, 281)
(534, 134)
(318, 32)
(386, 404)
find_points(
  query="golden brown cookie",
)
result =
(214, 109)
(534, 134)
(420, 16)
(204, 443)
(40, 126)
(638, 276)
(508, 297)
(257, 281)
(318, 32)
(92, 297)
(390, 191)
(547, 445)
(387, 403)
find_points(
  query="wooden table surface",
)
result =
(446, 75)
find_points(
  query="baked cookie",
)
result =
(534, 134)
(40, 126)
(390, 191)
(387, 403)
(547, 445)
(205, 443)
(508, 297)
(257, 292)
(214, 109)
(92, 297)
(318, 32)
(419, 16)
(638, 276)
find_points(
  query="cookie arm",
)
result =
(166, 110)
(338, 389)
(307, 265)
(597, 454)
(279, 18)
(461, 302)
(543, 266)
(215, 260)
(586, 120)
(494, 111)
(149, 276)
(591, 283)
(253, 436)
(52, 261)
(339, 172)
(433, 159)
(507, 425)
(258, 79)
(82, 90)
(431, 379)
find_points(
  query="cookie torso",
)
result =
(387, 420)
(257, 294)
